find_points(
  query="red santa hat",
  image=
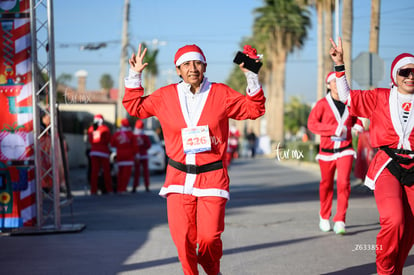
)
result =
(400, 61)
(125, 122)
(188, 53)
(331, 76)
(139, 124)
(98, 118)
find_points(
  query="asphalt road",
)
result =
(271, 228)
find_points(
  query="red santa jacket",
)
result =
(334, 129)
(381, 107)
(99, 140)
(143, 144)
(218, 103)
(124, 142)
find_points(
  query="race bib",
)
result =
(196, 139)
(335, 138)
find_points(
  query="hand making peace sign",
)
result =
(136, 60)
(336, 52)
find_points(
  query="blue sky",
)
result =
(216, 26)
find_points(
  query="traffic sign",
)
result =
(368, 69)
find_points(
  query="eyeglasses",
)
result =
(405, 72)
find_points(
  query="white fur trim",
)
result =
(335, 156)
(340, 119)
(125, 163)
(133, 80)
(330, 78)
(98, 154)
(401, 63)
(198, 192)
(403, 141)
(188, 57)
(370, 183)
(138, 131)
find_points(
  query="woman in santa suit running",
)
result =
(390, 173)
(194, 116)
(331, 120)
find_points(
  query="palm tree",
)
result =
(107, 83)
(150, 76)
(237, 81)
(320, 75)
(151, 70)
(328, 7)
(281, 26)
(347, 24)
(324, 10)
(64, 79)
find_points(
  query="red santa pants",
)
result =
(96, 164)
(124, 174)
(395, 205)
(137, 173)
(343, 168)
(197, 220)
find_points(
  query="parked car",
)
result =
(156, 153)
(157, 160)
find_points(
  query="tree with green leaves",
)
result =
(64, 78)
(151, 70)
(107, 83)
(296, 115)
(280, 27)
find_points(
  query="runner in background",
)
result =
(330, 119)
(141, 157)
(99, 137)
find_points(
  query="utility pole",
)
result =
(123, 63)
(375, 26)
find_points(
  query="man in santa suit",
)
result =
(124, 142)
(141, 157)
(99, 137)
(330, 119)
(194, 116)
(389, 174)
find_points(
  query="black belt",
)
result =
(196, 169)
(397, 151)
(404, 176)
(336, 150)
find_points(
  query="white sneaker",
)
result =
(324, 225)
(339, 228)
